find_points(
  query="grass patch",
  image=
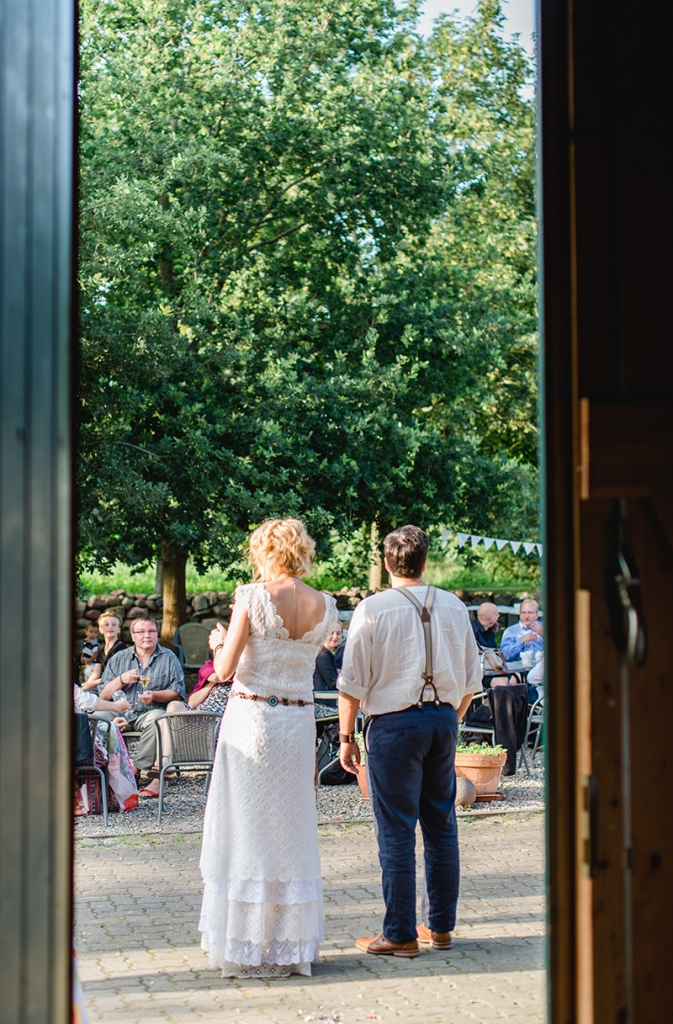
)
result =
(450, 567)
(123, 577)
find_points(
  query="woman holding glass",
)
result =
(262, 911)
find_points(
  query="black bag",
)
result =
(82, 744)
(335, 775)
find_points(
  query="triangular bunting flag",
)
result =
(462, 537)
(445, 534)
(528, 547)
(500, 544)
(488, 542)
(516, 544)
(474, 540)
(540, 550)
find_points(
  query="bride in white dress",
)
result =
(262, 911)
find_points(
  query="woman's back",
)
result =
(285, 637)
(300, 607)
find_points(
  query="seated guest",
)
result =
(109, 624)
(88, 702)
(209, 694)
(535, 680)
(110, 750)
(151, 677)
(326, 668)
(485, 624)
(524, 635)
(89, 649)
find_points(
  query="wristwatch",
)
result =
(346, 737)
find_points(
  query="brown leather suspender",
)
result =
(424, 611)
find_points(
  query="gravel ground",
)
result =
(184, 805)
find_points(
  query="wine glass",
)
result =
(144, 680)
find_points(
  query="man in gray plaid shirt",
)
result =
(127, 670)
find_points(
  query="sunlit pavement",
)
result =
(137, 906)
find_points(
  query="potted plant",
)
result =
(483, 765)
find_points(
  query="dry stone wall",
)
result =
(209, 604)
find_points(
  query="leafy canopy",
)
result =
(307, 271)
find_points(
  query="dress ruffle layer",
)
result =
(259, 933)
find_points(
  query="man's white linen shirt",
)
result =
(384, 660)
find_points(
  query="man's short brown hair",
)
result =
(143, 618)
(406, 550)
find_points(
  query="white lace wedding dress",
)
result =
(262, 911)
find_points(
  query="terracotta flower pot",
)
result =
(362, 782)
(483, 770)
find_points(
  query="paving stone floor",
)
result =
(137, 904)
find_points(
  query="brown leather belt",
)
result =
(272, 701)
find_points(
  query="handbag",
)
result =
(492, 659)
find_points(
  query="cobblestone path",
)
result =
(137, 904)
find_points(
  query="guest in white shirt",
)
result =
(413, 712)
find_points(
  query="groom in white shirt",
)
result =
(412, 710)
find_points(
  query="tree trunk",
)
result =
(159, 577)
(175, 592)
(378, 574)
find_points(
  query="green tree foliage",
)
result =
(306, 271)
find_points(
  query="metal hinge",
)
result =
(589, 791)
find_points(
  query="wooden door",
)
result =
(607, 211)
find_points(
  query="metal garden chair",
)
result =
(93, 769)
(535, 718)
(465, 732)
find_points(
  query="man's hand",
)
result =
(538, 628)
(121, 723)
(120, 706)
(130, 676)
(529, 638)
(349, 753)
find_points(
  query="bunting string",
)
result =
(475, 539)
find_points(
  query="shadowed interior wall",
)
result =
(36, 182)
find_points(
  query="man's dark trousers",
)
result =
(412, 777)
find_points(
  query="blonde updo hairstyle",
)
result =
(280, 546)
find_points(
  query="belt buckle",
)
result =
(272, 701)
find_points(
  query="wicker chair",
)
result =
(191, 644)
(192, 740)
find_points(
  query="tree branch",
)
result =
(276, 238)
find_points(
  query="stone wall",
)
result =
(209, 604)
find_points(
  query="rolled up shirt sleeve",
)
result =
(85, 700)
(356, 669)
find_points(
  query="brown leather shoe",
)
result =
(382, 945)
(438, 940)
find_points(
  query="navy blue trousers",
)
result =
(411, 772)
